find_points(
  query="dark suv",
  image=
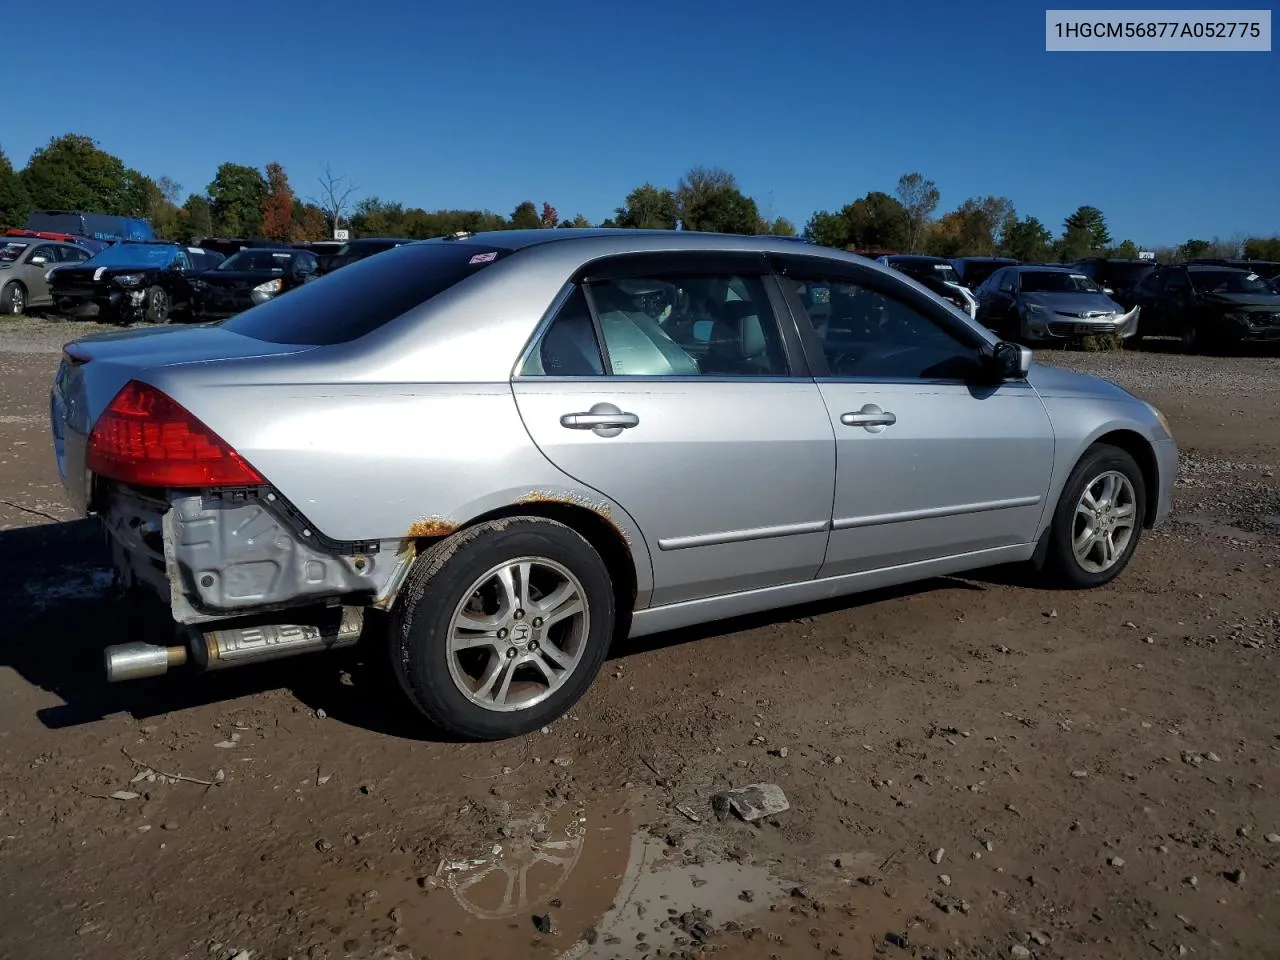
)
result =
(1208, 306)
(938, 275)
(1120, 277)
(354, 250)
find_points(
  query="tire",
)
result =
(158, 308)
(13, 299)
(442, 581)
(1064, 565)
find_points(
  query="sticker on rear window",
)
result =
(484, 257)
(1078, 276)
(1252, 276)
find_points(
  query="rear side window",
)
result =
(347, 304)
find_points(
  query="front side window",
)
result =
(869, 334)
(258, 260)
(666, 326)
(72, 255)
(49, 253)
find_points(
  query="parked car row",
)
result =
(1206, 303)
(160, 282)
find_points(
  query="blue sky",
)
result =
(486, 104)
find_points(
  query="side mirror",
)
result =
(37, 260)
(1108, 291)
(1011, 361)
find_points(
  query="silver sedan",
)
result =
(500, 452)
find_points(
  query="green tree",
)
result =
(778, 227)
(709, 199)
(195, 219)
(277, 207)
(828, 229)
(1091, 220)
(375, 217)
(236, 196)
(1028, 240)
(1194, 248)
(578, 222)
(73, 173)
(648, 208)
(525, 217)
(1128, 250)
(1075, 242)
(1262, 248)
(13, 196)
(919, 198)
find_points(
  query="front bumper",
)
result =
(1056, 326)
(1167, 469)
(109, 305)
(217, 303)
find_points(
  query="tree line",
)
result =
(72, 172)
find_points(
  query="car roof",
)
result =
(605, 240)
(1042, 267)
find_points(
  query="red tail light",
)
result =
(146, 438)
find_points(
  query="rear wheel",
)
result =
(502, 627)
(158, 307)
(1098, 520)
(13, 299)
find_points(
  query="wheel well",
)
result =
(598, 531)
(1137, 447)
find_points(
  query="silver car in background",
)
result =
(1036, 304)
(499, 452)
(25, 265)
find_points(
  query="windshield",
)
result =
(11, 251)
(265, 261)
(922, 269)
(1229, 281)
(133, 255)
(1057, 281)
(1125, 273)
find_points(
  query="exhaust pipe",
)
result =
(233, 646)
(133, 661)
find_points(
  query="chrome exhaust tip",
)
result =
(133, 661)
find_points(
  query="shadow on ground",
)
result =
(59, 614)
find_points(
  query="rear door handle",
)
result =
(870, 416)
(603, 418)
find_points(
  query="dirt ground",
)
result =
(976, 767)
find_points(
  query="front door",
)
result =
(929, 464)
(694, 419)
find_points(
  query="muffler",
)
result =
(233, 646)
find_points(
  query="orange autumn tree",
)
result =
(277, 209)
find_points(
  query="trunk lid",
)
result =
(94, 369)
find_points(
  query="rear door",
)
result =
(929, 464)
(668, 383)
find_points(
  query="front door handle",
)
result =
(871, 417)
(589, 421)
(604, 418)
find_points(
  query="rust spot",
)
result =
(571, 499)
(426, 527)
(598, 507)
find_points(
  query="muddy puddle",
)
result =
(579, 881)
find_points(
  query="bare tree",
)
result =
(919, 197)
(334, 194)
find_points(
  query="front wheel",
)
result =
(1098, 520)
(502, 627)
(13, 299)
(158, 307)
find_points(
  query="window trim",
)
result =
(668, 263)
(792, 266)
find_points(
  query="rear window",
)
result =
(358, 299)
